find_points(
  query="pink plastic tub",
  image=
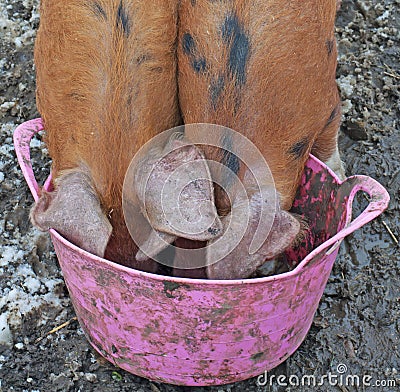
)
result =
(205, 332)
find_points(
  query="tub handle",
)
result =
(379, 200)
(22, 138)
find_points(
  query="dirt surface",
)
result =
(358, 320)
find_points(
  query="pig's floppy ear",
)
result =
(74, 210)
(177, 193)
(239, 263)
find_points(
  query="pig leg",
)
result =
(242, 261)
(74, 210)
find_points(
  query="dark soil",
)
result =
(358, 320)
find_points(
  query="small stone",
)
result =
(355, 130)
(91, 377)
(6, 106)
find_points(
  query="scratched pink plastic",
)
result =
(209, 332)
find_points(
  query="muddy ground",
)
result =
(358, 320)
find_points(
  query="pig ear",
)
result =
(283, 233)
(240, 263)
(178, 194)
(74, 210)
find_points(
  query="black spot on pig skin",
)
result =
(188, 44)
(333, 115)
(198, 62)
(234, 35)
(216, 87)
(230, 160)
(199, 65)
(123, 19)
(330, 44)
(99, 11)
(299, 149)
